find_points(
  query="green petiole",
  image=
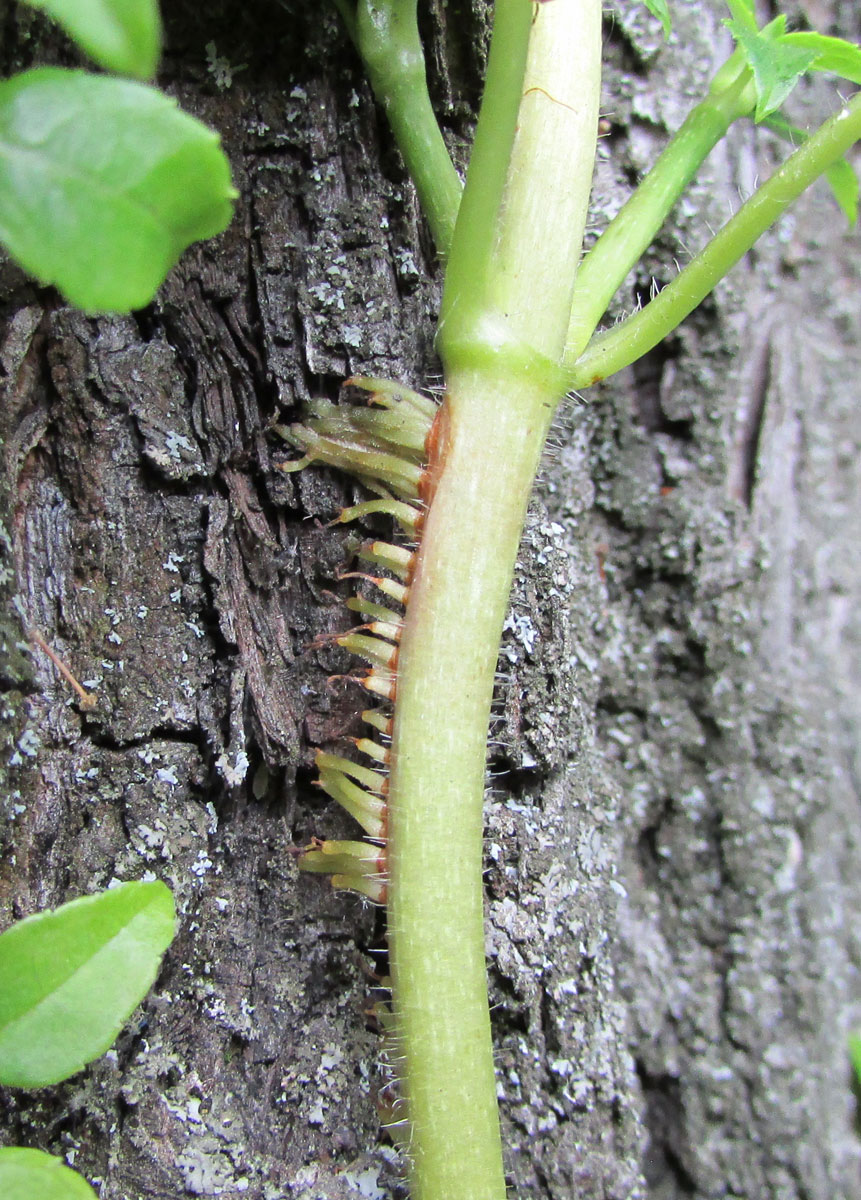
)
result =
(387, 36)
(632, 230)
(617, 348)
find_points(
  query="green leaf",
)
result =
(103, 183)
(841, 175)
(661, 10)
(744, 13)
(832, 54)
(776, 63)
(121, 35)
(844, 185)
(855, 1054)
(34, 1175)
(70, 977)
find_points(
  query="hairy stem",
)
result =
(445, 684)
(631, 231)
(619, 347)
(501, 340)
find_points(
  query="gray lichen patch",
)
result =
(717, 733)
(553, 845)
(552, 610)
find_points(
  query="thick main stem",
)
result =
(504, 318)
(446, 671)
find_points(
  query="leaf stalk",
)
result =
(632, 230)
(387, 36)
(617, 348)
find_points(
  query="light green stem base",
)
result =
(446, 672)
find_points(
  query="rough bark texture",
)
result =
(673, 845)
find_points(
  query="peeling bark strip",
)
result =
(672, 831)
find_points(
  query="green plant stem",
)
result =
(501, 341)
(632, 230)
(617, 348)
(474, 242)
(511, 275)
(387, 36)
(550, 177)
(436, 788)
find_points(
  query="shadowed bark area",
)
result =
(672, 853)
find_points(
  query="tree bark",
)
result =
(672, 826)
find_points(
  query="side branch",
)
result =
(617, 348)
(387, 37)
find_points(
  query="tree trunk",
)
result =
(672, 827)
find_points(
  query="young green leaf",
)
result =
(103, 183)
(121, 35)
(35, 1175)
(855, 1054)
(744, 13)
(776, 63)
(844, 187)
(832, 54)
(70, 977)
(661, 10)
(841, 176)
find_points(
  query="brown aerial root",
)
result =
(87, 699)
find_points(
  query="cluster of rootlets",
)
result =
(384, 445)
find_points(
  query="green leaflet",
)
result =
(103, 183)
(661, 10)
(34, 1175)
(70, 977)
(777, 66)
(744, 13)
(779, 59)
(844, 186)
(855, 1054)
(120, 35)
(832, 54)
